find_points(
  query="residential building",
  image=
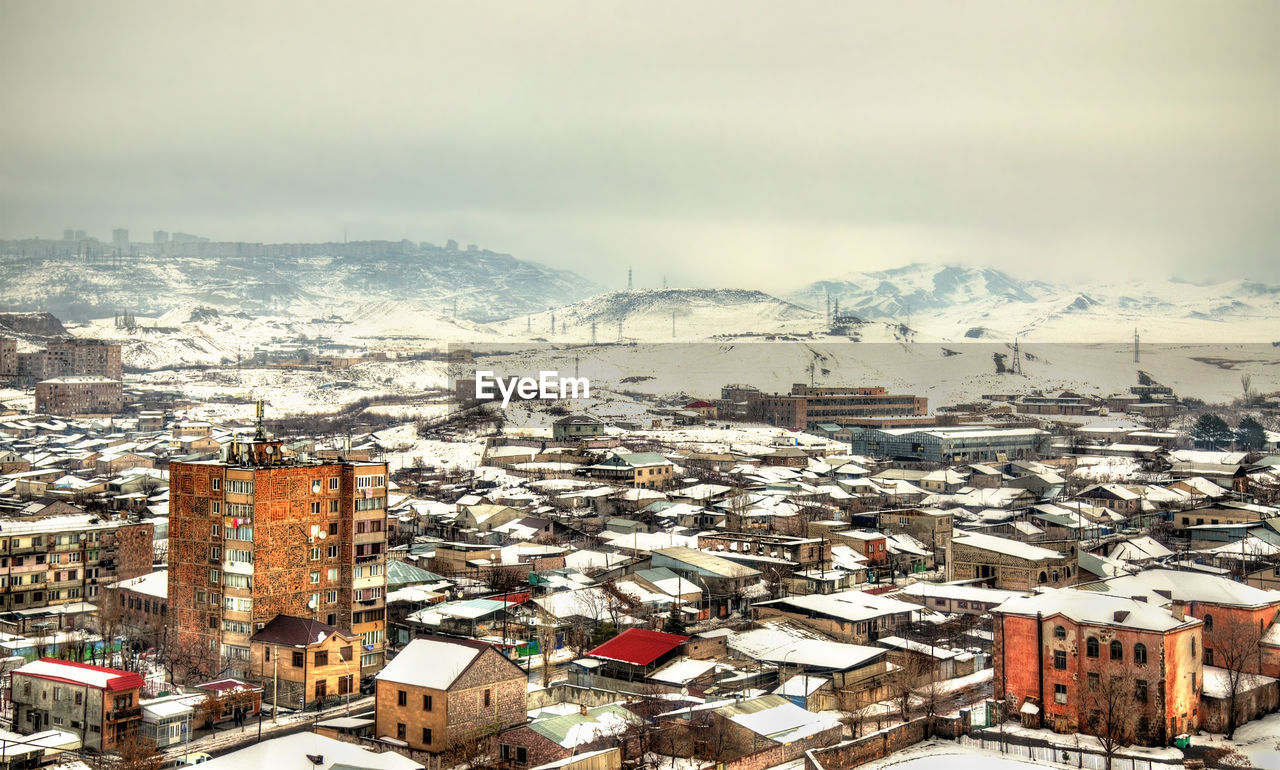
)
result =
(79, 394)
(728, 585)
(8, 358)
(1057, 653)
(60, 559)
(259, 535)
(438, 692)
(83, 357)
(643, 470)
(854, 617)
(100, 705)
(1010, 564)
(576, 427)
(300, 662)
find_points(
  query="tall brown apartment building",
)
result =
(89, 394)
(808, 406)
(68, 358)
(8, 358)
(259, 535)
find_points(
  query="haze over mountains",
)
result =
(407, 291)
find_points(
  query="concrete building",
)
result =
(259, 535)
(438, 692)
(956, 444)
(83, 357)
(853, 617)
(576, 427)
(80, 394)
(101, 705)
(63, 559)
(8, 358)
(1057, 653)
(807, 406)
(642, 470)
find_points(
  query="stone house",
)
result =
(100, 705)
(308, 661)
(438, 692)
(1010, 564)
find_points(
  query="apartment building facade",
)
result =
(259, 535)
(808, 406)
(68, 558)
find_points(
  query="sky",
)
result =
(749, 144)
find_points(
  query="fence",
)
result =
(1016, 747)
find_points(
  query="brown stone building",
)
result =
(300, 662)
(80, 394)
(8, 358)
(83, 357)
(259, 535)
(440, 691)
(1010, 564)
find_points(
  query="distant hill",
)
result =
(317, 280)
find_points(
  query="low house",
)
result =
(439, 692)
(628, 661)
(576, 427)
(770, 721)
(849, 616)
(300, 661)
(644, 470)
(728, 585)
(1009, 564)
(100, 705)
(562, 736)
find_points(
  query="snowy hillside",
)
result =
(664, 314)
(957, 303)
(474, 285)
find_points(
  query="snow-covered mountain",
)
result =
(475, 285)
(664, 314)
(949, 302)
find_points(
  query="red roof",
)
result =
(699, 405)
(116, 680)
(638, 646)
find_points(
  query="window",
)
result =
(426, 702)
(344, 685)
(314, 554)
(1060, 659)
(214, 575)
(322, 687)
(1193, 681)
(1091, 647)
(216, 508)
(315, 506)
(216, 484)
(57, 693)
(1208, 656)
(79, 698)
(216, 530)
(1193, 647)
(426, 735)
(1043, 577)
(333, 550)
(346, 652)
(488, 698)
(1059, 632)
(1095, 681)
(331, 597)
(315, 489)
(322, 657)
(1140, 690)
(332, 574)
(1208, 622)
(1059, 693)
(333, 525)
(315, 577)
(1117, 651)
(1140, 654)
(333, 482)
(400, 731)
(299, 659)
(402, 698)
(333, 506)
(240, 487)
(370, 482)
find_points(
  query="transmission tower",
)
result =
(1017, 358)
(593, 332)
(628, 279)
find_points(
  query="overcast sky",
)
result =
(748, 144)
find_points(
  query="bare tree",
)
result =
(1235, 650)
(1111, 708)
(137, 752)
(210, 709)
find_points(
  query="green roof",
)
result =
(400, 574)
(558, 728)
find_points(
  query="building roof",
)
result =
(296, 632)
(776, 718)
(638, 646)
(845, 605)
(1092, 608)
(154, 584)
(401, 573)
(1014, 548)
(704, 562)
(100, 677)
(293, 752)
(434, 661)
(577, 728)
(1161, 586)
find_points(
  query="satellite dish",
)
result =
(311, 603)
(322, 534)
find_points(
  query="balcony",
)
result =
(119, 715)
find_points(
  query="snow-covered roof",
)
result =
(1092, 608)
(432, 662)
(1160, 586)
(846, 605)
(1013, 548)
(294, 752)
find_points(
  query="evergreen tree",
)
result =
(1211, 432)
(1250, 434)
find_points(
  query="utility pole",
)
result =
(593, 332)
(628, 279)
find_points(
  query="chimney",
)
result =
(1140, 598)
(1179, 610)
(582, 709)
(316, 759)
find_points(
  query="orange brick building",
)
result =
(259, 535)
(1053, 649)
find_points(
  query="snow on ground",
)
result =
(1258, 740)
